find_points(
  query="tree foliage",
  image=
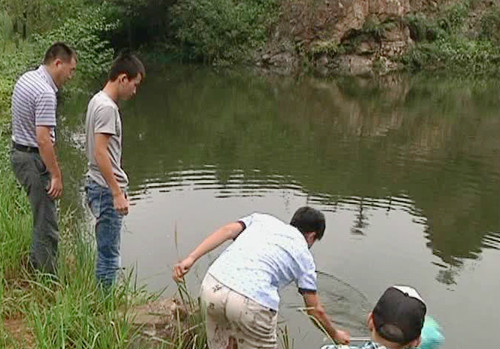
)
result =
(216, 30)
(446, 42)
(39, 16)
(83, 30)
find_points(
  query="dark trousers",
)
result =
(33, 175)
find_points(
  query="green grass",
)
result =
(71, 311)
(191, 333)
(15, 219)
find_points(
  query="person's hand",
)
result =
(56, 187)
(181, 268)
(121, 203)
(342, 337)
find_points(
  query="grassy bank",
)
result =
(72, 311)
(39, 312)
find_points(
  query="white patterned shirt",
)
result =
(266, 256)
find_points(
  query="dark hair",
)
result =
(307, 219)
(59, 50)
(128, 64)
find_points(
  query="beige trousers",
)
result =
(235, 321)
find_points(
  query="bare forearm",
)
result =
(316, 310)
(321, 320)
(213, 241)
(229, 231)
(106, 169)
(48, 155)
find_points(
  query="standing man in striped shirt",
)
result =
(33, 154)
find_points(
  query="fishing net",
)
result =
(342, 301)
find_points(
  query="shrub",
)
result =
(455, 54)
(83, 32)
(454, 17)
(424, 29)
(448, 23)
(40, 16)
(443, 44)
(221, 30)
(490, 25)
(5, 28)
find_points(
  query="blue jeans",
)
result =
(107, 230)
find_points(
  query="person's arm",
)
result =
(48, 155)
(214, 240)
(321, 320)
(120, 202)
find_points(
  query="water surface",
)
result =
(405, 169)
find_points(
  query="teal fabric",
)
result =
(432, 336)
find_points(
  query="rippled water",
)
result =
(406, 170)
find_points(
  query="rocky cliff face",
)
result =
(355, 37)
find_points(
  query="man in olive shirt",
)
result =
(106, 180)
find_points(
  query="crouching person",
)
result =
(396, 321)
(240, 290)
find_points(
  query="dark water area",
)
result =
(406, 170)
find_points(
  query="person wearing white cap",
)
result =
(396, 322)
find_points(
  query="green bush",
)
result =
(5, 93)
(454, 17)
(442, 42)
(40, 16)
(455, 55)
(83, 32)
(12, 64)
(141, 22)
(221, 30)
(424, 29)
(5, 28)
(450, 22)
(490, 25)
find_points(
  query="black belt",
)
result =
(25, 148)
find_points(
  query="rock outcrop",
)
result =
(160, 320)
(355, 37)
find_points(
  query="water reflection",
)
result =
(405, 169)
(429, 148)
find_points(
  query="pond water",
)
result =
(406, 170)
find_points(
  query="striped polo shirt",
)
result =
(34, 103)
